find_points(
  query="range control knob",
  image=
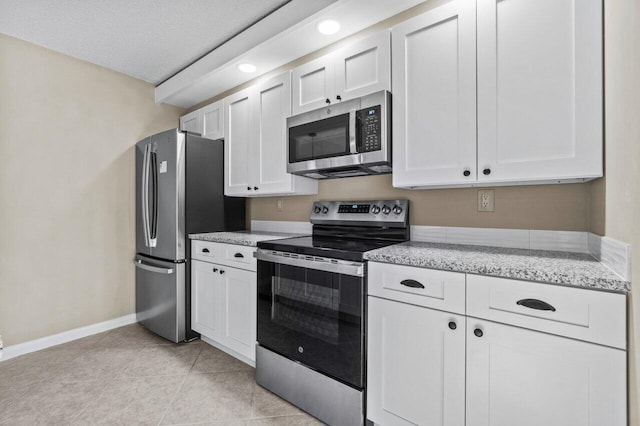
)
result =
(397, 209)
(375, 209)
(386, 209)
(316, 209)
(325, 210)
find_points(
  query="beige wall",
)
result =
(557, 207)
(622, 152)
(67, 132)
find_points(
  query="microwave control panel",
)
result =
(370, 129)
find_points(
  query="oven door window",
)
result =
(320, 139)
(314, 317)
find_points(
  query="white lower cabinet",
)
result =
(223, 303)
(528, 378)
(416, 360)
(205, 295)
(518, 357)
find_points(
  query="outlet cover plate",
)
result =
(486, 200)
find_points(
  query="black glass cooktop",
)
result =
(339, 248)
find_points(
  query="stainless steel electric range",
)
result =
(312, 307)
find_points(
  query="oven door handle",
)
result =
(343, 267)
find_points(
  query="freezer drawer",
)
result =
(160, 297)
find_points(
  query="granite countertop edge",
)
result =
(495, 262)
(242, 238)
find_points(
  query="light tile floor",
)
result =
(130, 376)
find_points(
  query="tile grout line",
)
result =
(180, 387)
(172, 400)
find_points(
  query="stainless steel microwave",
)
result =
(351, 138)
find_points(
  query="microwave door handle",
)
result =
(352, 132)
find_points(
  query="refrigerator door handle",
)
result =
(148, 267)
(144, 193)
(153, 227)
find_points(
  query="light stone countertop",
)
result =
(563, 268)
(243, 238)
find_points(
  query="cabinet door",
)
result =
(239, 311)
(205, 299)
(539, 89)
(237, 143)
(434, 97)
(313, 84)
(527, 378)
(364, 67)
(191, 122)
(416, 365)
(272, 105)
(213, 120)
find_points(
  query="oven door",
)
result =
(312, 312)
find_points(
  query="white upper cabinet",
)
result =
(538, 67)
(539, 89)
(191, 122)
(356, 70)
(213, 120)
(313, 84)
(256, 142)
(207, 121)
(434, 97)
(363, 67)
(238, 141)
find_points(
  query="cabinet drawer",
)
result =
(224, 254)
(204, 250)
(237, 256)
(583, 314)
(418, 286)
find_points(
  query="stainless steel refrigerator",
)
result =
(179, 191)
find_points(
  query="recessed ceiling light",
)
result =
(247, 67)
(329, 26)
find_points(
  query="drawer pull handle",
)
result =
(238, 255)
(536, 304)
(412, 283)
(205, 250)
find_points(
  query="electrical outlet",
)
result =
(279, 205)
(486, 200)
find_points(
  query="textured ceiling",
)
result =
(147, 39)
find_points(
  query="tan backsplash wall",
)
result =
(557, 207)
(67, 172)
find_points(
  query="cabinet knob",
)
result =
(221, 271)
(339, 97)
(486, 172)
(327, 101)
(248, 188)
(215, 269)
(255, 188)
(478, 332)
(467, 173)
(452, 325)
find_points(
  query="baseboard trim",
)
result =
(228, 351)
(64, 337)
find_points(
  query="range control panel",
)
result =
(396, 211)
